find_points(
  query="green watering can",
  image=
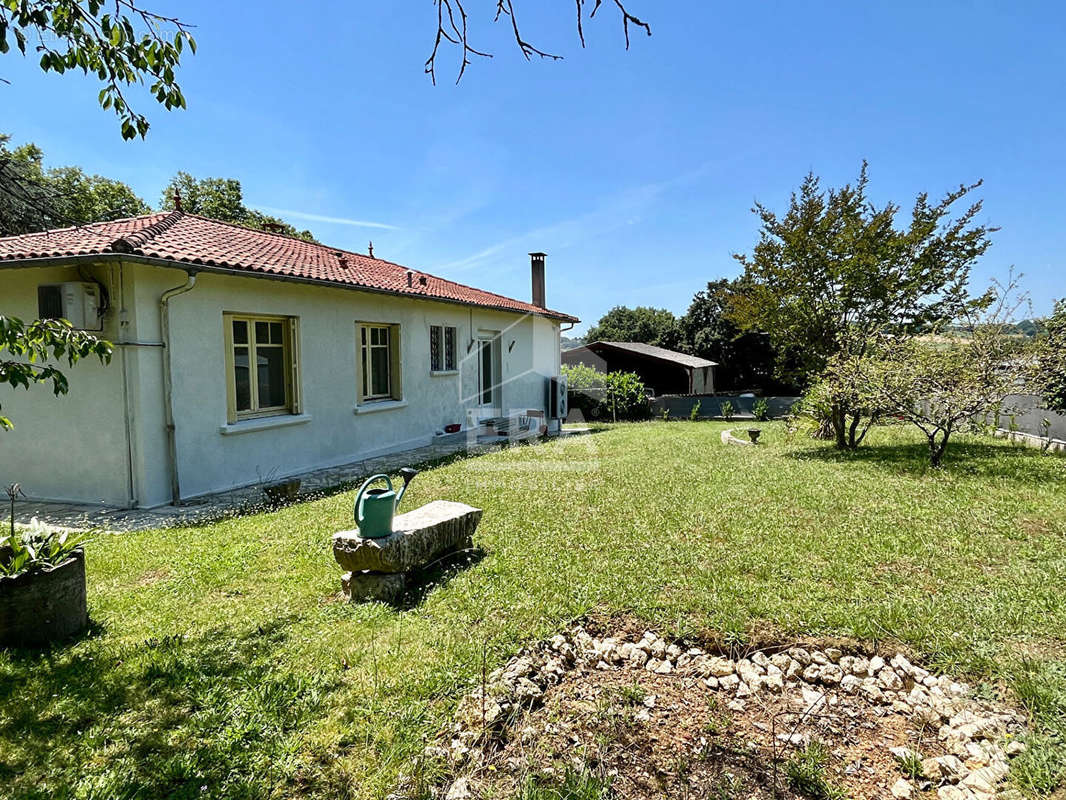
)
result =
(374, 508)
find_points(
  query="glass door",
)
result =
(486, 372)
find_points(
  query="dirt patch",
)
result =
(153, 576)
(635, 717)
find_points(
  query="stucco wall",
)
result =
(213, 456)
(71, 447)
(106, 441)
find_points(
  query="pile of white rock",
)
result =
(977, 737)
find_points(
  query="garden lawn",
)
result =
(222, 662)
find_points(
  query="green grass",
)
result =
(573, 786)
(805, 773)
(222, 665)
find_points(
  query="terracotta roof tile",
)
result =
(199, 241)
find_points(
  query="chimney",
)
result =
(536, 265)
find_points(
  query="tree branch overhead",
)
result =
(452, 27)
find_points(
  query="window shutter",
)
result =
(231, 390)
(395, 362)
(294, 365)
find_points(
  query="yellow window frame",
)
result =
(290, 355)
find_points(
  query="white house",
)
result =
(354, 357)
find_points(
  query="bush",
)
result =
(727, 410)
(626, 397)
(694, 414)
(610, 396)
(760, 409)
(579, 377)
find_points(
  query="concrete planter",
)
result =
(44, 605)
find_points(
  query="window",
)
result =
(379, 362)
(261, 368)
(442, 348)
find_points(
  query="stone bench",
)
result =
(378, 569)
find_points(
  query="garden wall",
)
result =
(1028, 416)
(680, 405)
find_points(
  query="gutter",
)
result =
(168, 383)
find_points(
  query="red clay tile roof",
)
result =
(199, 241)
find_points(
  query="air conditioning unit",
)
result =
(558, 407)
(78, 302)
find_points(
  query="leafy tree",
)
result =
(940, 389)
(835, 272)
(124, 44)
(24, 204)
(121, 44)
(1050, 370)
(40, 341)
(223, 199)
(746, 359)
(655, 326)
(33, 198)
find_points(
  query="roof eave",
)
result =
(95, 258)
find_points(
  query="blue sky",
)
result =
(635, 171)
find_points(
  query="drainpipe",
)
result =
(168, 396)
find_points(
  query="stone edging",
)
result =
(976, 736)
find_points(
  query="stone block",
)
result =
(419, 537)
(362, 587)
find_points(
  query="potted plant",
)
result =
(42, 586)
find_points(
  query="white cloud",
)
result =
(619, 211)
(358, 223)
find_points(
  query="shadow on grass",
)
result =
(962, 458)
(173, 717)
(437, 573)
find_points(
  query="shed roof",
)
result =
(659, 353)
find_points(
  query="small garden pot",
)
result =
(44, 605)
(753, 434)
(282, 491)
(452, 428)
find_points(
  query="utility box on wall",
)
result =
(558, 406)
(78, 302)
